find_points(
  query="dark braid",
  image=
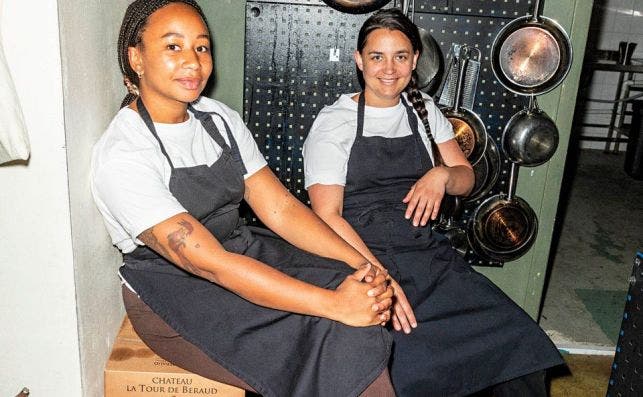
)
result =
(131, 35)
(415, 96)
(394, 19)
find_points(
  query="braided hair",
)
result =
(394, 19)
(131, 35)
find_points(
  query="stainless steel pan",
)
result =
(531, 55)
(356, 6)
(430, 60)
(530, 138)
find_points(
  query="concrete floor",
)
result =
(600, 229)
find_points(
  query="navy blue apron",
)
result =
(277, 353)
(470, 335)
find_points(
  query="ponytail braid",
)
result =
(417, 101)
(131, 35)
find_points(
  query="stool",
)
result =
(135, 370)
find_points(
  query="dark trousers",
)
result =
(530, 385)
(169, 345)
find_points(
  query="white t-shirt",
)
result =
(328, 145)
(130, 175)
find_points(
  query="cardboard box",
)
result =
(134, 370)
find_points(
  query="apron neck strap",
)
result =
(145, 115)
(361, 105)
(208, 123)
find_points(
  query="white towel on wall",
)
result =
(14, 142)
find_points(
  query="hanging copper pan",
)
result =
(531, 55)
(470, 131)
(503, 227)
(356, 6)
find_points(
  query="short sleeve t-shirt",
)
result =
(328, 145)
(130, 175)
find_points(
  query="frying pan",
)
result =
(356, 6)
(430, 60)
(530, 138)
(503, 227)
(470, 132)
(531, 55)
(486, 172)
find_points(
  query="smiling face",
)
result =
(174, 59)
(387, 62)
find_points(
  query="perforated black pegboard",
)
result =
(626, 379)
(491, 8)
(298, 58)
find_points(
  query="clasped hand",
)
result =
(365, 298)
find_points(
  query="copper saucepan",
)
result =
(531, 55)
(470, 131)
(356, 6)
(503, 227)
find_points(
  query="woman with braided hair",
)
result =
(378, 164)
(301, 317)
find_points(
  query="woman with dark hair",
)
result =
(300, 317)
(378, 164)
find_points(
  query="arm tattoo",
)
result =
(176, 242)
(151, 241)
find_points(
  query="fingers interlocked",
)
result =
(383, 293)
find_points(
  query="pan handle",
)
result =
(513, 180)
(478, 56)
(405, 7)
(533, 107)
(533, 103)
(463, 59)
(537, 11)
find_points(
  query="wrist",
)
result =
(445, 174)
(377, 264)
(331, 306)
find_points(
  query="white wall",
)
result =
(39, 336)
(615, 21)
(93, 90)
(57, 264)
